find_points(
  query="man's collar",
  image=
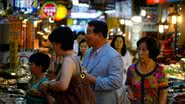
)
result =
(96, 51)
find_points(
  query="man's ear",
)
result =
(100, 34)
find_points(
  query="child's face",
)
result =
(34, 68)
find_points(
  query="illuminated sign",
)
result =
(173, 0)
(155, 1)
(28, 6)
(49, 9)
(61, 12)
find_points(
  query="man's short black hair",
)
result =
(42, 59)
(99, 26)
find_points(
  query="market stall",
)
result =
(176, 80)
(13, 85)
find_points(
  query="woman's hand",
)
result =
(44, 87)
(51, 75)
(131, 95)
(91, 78)
(51, 100)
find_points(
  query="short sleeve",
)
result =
(162, 78)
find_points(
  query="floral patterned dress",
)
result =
(146, 86)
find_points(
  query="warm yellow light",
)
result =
(40, 33)
(179, 19)
(122, 21)
(161, 29)
(24, 21)
(61, 12)
(35, 24)
(13, 74)
(166, 26)
(24, 25)
(45, 37)
(174, 19)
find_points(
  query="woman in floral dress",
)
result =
(146, 80)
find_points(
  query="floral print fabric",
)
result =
(146, 86)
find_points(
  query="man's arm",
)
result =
(114, 78)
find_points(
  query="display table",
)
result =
(12, 88)
(176, 81)
(10, 94)
(176, 91)
(7, 98)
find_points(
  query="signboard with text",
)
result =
(174, 0)
(29, 6)
(49, 9)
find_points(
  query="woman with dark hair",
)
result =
(39, 63)
(146, 80)
(118, 43)
(83, 46)
(69, 86)
(80, 36)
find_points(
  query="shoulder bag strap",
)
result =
(77, 61)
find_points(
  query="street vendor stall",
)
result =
(176, 81)
(13, 84)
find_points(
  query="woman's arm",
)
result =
(163, 96)
(50, 99)
(130, 95)
(162, 85)
(68, 69)
(43, 88)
